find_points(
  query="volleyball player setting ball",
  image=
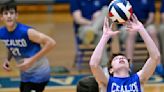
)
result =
(119, 79)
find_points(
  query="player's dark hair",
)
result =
(7, 6)
(87, 84)
(110, 61)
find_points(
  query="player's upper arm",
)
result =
(148, 69)
(77, 14)
(38, 37)
(100, 76)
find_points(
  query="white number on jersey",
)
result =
(15, 51)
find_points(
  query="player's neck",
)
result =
(121, 73)
(11, 28)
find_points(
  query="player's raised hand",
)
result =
(134, 24)
(107, 30)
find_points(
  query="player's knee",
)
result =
(161, 28)
(152, 30)
(132, 35)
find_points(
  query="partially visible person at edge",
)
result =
(120, 80)
(24, 45)
(160, 68)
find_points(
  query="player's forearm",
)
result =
(82, 21)
(97, 54)
(47, 46)
(151, 47)
(153, 59)
(79, 19)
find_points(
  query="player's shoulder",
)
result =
(2, 28)
(21, 25)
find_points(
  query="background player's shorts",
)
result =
(32, 87)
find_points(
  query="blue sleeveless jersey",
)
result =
(18, 42)
(127, 84)
(21, 47)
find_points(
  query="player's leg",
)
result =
(152, 30)
(25, 87)
(39, 87)
(161, 36)
(32, 87)
(88, 32)
(160, 67)
(98, 18)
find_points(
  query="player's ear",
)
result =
(16, 15)
(0, 18)
(111, 70)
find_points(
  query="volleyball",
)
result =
(120, 11)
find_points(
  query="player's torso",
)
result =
(89, 7)
(142, 8)
(22, 47)
(129, 84)
(18, 41)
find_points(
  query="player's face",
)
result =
(9, 17)
(120, 62)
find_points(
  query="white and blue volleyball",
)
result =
(120, 11)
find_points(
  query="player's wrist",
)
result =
(106, 36)
(141, 29)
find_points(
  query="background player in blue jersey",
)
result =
(24, 44)
(120, 80)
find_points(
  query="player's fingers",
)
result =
(135, 18)
(6, 67)
(105, 24)
(127, 23)
(111, 25)
(22, 67)
(19, 65)
(128, 29)
(116, 32)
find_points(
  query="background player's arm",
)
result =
(154, 55)
(79, 19)
(77, 14)
(6, 64)
(42, 39)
